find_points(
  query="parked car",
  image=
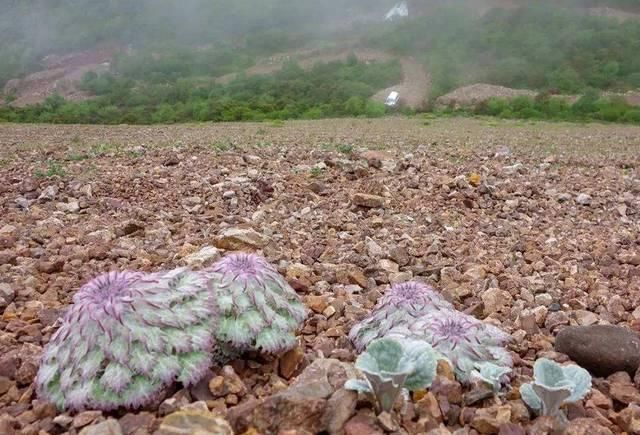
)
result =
(392, 99)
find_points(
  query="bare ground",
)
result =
(76, 201)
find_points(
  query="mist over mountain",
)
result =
(153, 57)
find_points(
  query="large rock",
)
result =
(315, 402)
(188, 422)
(601, 349)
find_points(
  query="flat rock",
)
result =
(189, 422)
(238, 239)
(368, 201)
(109, 427)
(601, 349)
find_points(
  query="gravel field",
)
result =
(530, 226)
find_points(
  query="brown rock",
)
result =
(511, 429)
(356, 276)
(545, 426)
(239, 239)
(85, 418)
(601, 349)
(368, 201)
(5, 384)
(622, 389)
(489, 420)
(308, 404)
(291, 361)
(108, 427)
(228, 382)
(586, 426)
(629, 419)
(50, 267)
(495, 300)
(361, 425)
(9, 425)
(132, 423)
(317, 303)
(428, 408)
(194, 422)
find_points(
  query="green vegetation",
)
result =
(170, 54)
(54, 169)
(326, 90)
(589, 107)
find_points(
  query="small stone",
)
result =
(361, 425)
(622, 389)
(585, 318)
(428, 408)
(203, 257)
(368, 201)
(386, 421)
(63, 420)
(495, 300)
(317, 303)
(7, 294)
(85, 418)
(227, 383)
(583, 199)
(329, 311)
(373, 249)
(50, 267)
(290, 362)
(400, 256)
(49, 193)
(108, 427)
(140, 423)
(586, 426)
(489, 420)
(238, 239)
(556, 319)
(5, 384)
(389, 266)
(511, 429)
(629, 419)
(544, 299)
(601, 349)
(194, 422)
(129, 227)
(545, 425)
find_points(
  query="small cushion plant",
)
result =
(258, 309)
(128, 336)
(398, 307)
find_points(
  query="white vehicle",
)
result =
(400, 10)
(392, 99)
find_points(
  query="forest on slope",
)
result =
(172, 53)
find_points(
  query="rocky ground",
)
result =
(530, 226)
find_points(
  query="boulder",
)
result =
(601, 349)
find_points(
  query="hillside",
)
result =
(150, 73)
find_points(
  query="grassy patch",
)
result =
(54, 169)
